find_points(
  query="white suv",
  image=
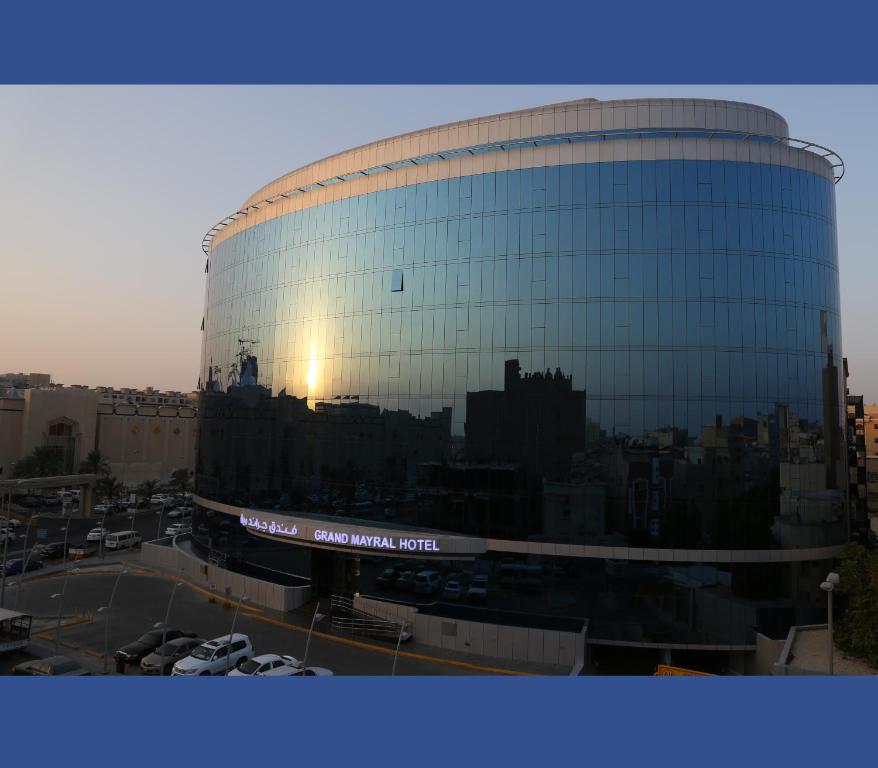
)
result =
(216, 656)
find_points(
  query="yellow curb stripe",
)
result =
(390, 652)
(96, 654)
(72, 646)
(256, 613)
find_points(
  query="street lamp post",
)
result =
(398, 643)
(106, 609)
(829, 586)
(232, 632)
(177, 585)
(6, 534)
(314, 619)
(158, 533)
(26, 560)
(103, 533)
(59, 596)
(66, 535)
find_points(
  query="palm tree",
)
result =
(95, 464)
(109, 487)
(43, 461)
(146, 489)
(180, 479)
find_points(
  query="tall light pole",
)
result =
(829, 586)
(314, 619)
(398, 643)
(103, 531)
(26, 560)
(158, 533)
(66, 534)
(177, 585)
(106, 609)
(232, 632)
(59, 596)
(6, 534)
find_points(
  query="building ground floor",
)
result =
(668, 603)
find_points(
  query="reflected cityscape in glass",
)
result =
(616, 368)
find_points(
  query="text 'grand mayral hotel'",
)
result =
(591, 351)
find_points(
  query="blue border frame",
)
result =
(641, 42)
(439, 721)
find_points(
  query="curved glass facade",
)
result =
(638, 354)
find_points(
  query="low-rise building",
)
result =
(144, 434)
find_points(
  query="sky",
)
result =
(106, 192)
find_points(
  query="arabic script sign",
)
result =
(272, 527)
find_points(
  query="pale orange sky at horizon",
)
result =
(106, 192)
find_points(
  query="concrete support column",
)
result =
(86, 500)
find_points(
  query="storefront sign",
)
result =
(387, 543)
(271, 527)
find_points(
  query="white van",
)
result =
(123, 540)
(427, 583)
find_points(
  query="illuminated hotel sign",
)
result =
(271, 527)
(313, 532)
(394, 543)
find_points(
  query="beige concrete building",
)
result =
(144, 434)
(870, 424)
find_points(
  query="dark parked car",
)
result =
(172, 651)
(15, 566)
(54, 665)
(387, 578)
(147, 643)
(52, 551)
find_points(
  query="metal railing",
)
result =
(346, 619)
(532, 142)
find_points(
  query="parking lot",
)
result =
(142, 600)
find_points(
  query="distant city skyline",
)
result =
(108, 191)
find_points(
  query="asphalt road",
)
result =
(50, 527)
(142, 600)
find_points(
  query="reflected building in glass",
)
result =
(592, 350)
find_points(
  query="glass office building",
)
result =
(590, 352)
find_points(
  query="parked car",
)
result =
(96, 534)
(406, 581)
(452, 591)
(81, 551)
(31, 502)
(427, 583)
(122, 540)
(50, 551)
(12, 522)
(175, 529)
(268, 665)
(15, 566)
(387, 578)
(104, 509)
(216, 656)
(180, 512)
(172, 651)
(53, 665)
(314, 672)
(478, 590)
(147, 643)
